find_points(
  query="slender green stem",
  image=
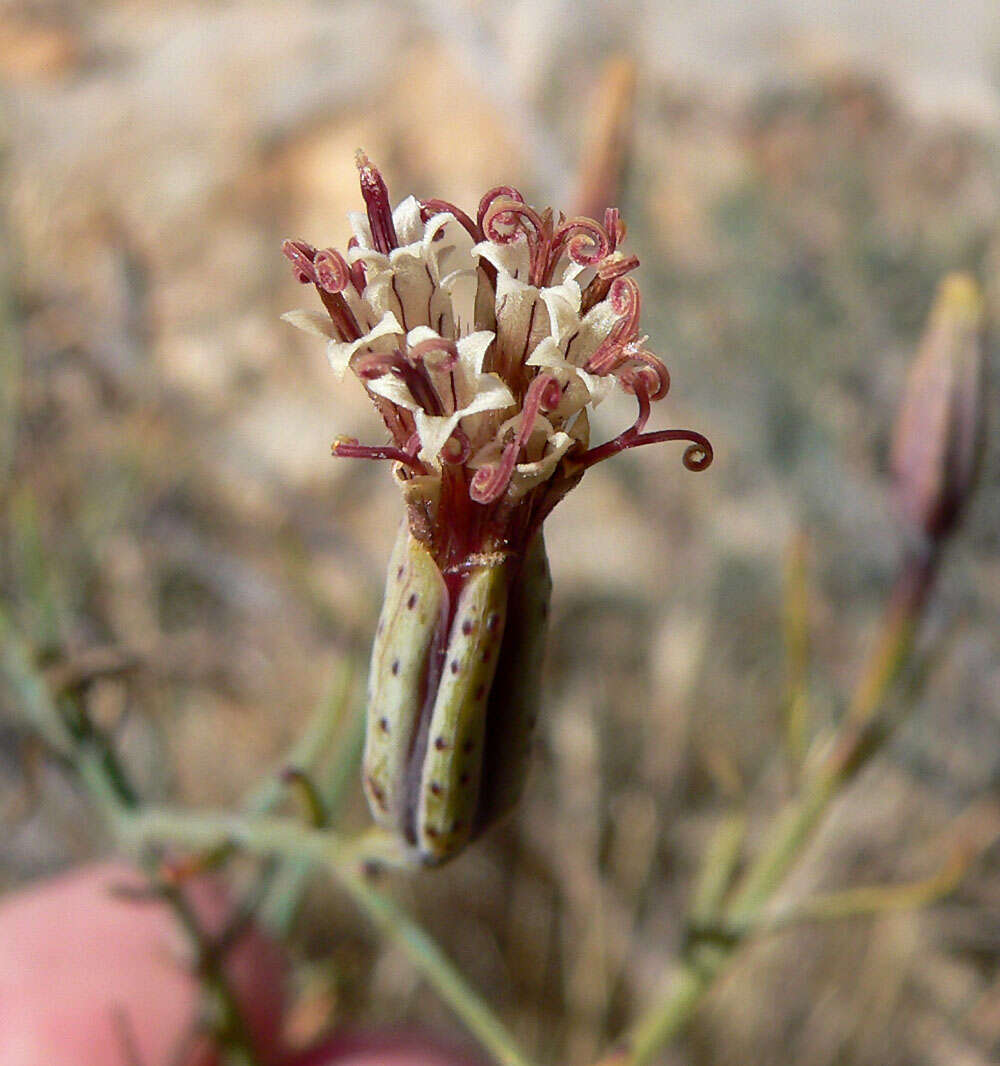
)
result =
(797, 652)
(104, 777)
(337, 725)
(876, 899)
(718, 868)
(793, 830)
(345, 861)
(97, 765)
(862, 732)
(11, 360)
(658, 1027)
(27, 693)
(283, 902)
(344, 773)
(312, 802)
(318, 737)
(442, 973)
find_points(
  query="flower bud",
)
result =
(940, 427)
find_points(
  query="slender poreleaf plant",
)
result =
(484, 343)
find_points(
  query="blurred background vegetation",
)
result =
(172, 519)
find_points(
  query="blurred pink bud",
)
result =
(384, 1049)
(940, 428)
(85, 971)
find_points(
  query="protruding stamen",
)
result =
(430, 208)
(349, 448)
(651, 372)
(614, 224)
(498, 192)
(697, 456)
(489, 483)
(585, 242)
(457, 448)
(376, 197)
(419, 352)
(506, 219)
(320, 268)
(333, 275)
(332, 272)
(624, 300)
(374, 364)
(301, 256)
(616, 265)
(635, 381)
(340, 314)
(358, 275)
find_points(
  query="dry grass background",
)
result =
(168, 491)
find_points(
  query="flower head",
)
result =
(484, 343)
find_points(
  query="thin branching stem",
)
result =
(345, 861)
(863, 731)
(88, 751)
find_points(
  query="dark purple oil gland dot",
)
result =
(395, 667)
(468, 626)
(455, 666)
(400, 572)
(492, 622)
(435, 788)
(412, 601)
(431, 832)
(383, 724)
(440, 744)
